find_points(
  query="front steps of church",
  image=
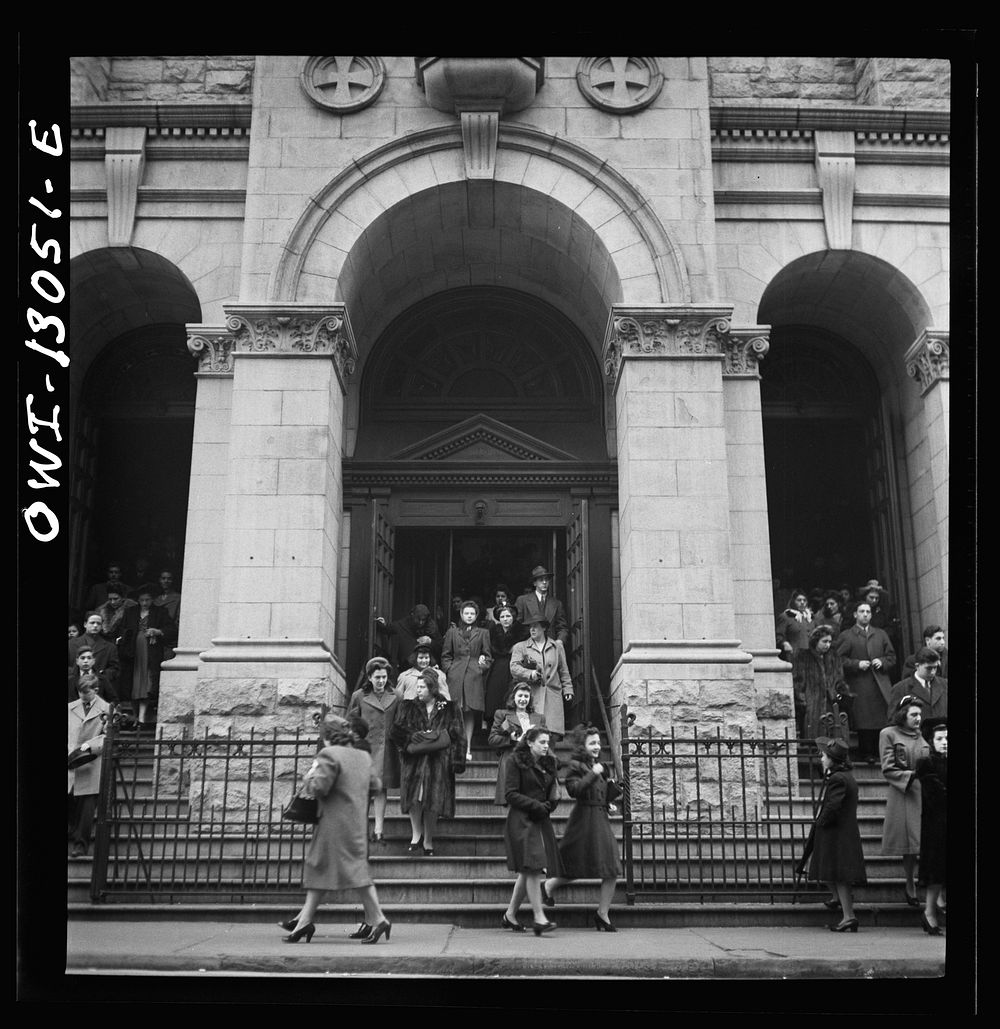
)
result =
(466, 881)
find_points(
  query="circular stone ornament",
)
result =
(343, 84)
(620, 85)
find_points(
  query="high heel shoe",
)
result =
(911, 900)
(506, 923)
(289, 925)
(428, 851)
(931, 930)
(378, 837)
(307, 931)
(542, 927)
(361, 932)
(415, 846)
(833, 905)
(850, 925)
(547, 901)
(602, 925)
(383, 928)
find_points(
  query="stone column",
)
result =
(750, 540)
(213, 346)
(927, 361)
(682, 664)
(271, 664)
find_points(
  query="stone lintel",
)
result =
(928, 359)
(213, 346)
(295, 330)
(745, 348)
(677, 331)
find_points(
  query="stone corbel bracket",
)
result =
(745, 348)
(124, 160)
(835, 170)
(928, 359)
(480, 132)
(213, 346)
(671, 331)
(295, 330)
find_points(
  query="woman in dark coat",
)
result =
(510, 723)
(932, 773)
(376, 704)
(504, 633)
(817, 682)
(834, 840)
(146, 631)
(532, 792)
(901, 747)
(337, 859)
(588, 848)
(427, 780)
(465, 660)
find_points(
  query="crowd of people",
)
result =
(115, 651)
(844, 677)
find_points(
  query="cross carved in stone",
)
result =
(343, 77)
(623, 72)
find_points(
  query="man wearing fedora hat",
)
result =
(540, 603)
(417, 627)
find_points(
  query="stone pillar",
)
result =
(271, 663)
(682, 665)
(750, 540)
(927, 361)
(213, 346)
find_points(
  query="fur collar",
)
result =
(523, 759)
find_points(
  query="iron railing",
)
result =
(188, 818)
(708, 814)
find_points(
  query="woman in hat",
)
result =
(834, 841)
(466, 658)
(376, 704)
(510, 723)
(900, 748)
(504, 633)
(541, 663)
(340, 778)
(588, 848)
(421, 658)
(532, 793)
(932, 774)
(428, 732)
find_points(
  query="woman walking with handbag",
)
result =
(431, 740)
(340, 780)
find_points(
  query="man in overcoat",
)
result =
(934, 637)
(925, 684)
(406, 633)
(869, 660)
(85, 667)
(106, 661)
(87, 716)
(540, 603)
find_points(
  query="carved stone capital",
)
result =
(295, 330)
(213, 346)
(928, 358)
(666, 331)
(745, 348)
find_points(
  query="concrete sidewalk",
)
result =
(433, 950)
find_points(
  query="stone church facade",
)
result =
(377, 326)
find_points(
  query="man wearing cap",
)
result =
(406, 633)
(541, 663)
(540, 603)
(925, 684)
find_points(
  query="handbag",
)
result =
(426, 741)
(301, 809)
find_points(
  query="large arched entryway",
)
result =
(835, 403)
(133, 396)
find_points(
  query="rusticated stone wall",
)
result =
(88, 80)
(178, 79)
(778, 78)
(904, 81)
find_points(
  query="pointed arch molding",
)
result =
(374, 172)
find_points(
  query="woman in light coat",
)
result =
(337, 859)
(541, 662)
(376, 704)
(901, 747)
